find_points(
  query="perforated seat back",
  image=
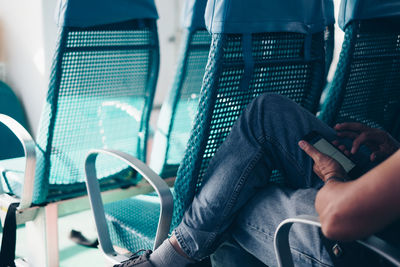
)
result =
(100, 96)
(241, 66)
(179, 108)
(366, 85)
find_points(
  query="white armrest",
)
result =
(30, 155)
(96, 203)
(284, 256)
(281, 238)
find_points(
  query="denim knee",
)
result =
(273, 102)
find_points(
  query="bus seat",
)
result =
(10, 105)
(101, 90)
(245, 60)
(179, 108)
(365, 88)
(366, 84)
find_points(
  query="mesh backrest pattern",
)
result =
(290, 64)
(182, 103)
(366, 85)
(100, 96)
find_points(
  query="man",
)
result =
(236, 199)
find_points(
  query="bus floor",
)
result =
(70, 253)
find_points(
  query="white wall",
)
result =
(339, 35)
(23, 50)
(169, 37)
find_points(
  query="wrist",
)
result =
(334, 178)
(395, 147)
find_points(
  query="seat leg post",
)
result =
(42, 237)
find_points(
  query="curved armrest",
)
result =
(281, 238)
(30, 156)
(284, 256)
(155, 181)
(382, 248)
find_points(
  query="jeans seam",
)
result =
(243, 178)
(259, 230)
(309, 257)
(286, 153)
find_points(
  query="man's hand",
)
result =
(379, 142)
(324, 166)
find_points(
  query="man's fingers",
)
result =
(361, 139)
(377, 155)
(343, 148)
(350, 126)
(336, 142)
(310, 150)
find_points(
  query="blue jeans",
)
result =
(236, 198)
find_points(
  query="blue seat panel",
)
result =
(366, 84)
(12, 178)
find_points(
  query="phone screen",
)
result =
(327, 148)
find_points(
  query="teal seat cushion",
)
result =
(12, 179)
(133, 222)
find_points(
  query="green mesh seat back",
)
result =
(9, 105)
(281, 64)
(366, 85)
(179, 109)
(101, 91)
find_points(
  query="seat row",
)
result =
(248, 57)
(102, 87)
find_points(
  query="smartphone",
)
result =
(325, 147)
